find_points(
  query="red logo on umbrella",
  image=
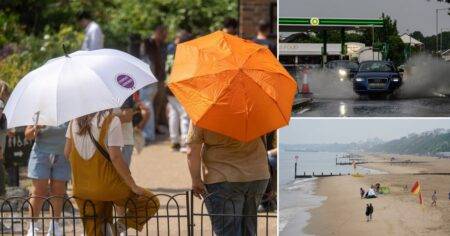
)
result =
(125, 81)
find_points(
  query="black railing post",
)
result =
(295, 176)
(188, 213)
(191, 214)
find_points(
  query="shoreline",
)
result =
(296, 216)
(396, 213)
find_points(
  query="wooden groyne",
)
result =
(360, 161)
(442, 173)
(304, 175)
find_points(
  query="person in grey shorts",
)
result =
(125, 114)
(49, 171)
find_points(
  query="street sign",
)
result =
(324, 22)
(314, 21)
(17, 152)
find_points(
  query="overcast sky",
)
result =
(304, 131)
(410, 14)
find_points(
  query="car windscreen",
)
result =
(377, 66)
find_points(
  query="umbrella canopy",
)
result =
(232, 86)
(75, 85)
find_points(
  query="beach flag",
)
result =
(416, 190)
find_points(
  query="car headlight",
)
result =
(359, 79)
(342, 72)
(395, 80)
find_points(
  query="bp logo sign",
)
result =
(314, 21)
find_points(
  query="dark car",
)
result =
(376, 78)
(344, 69)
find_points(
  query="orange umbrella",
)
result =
(232, 86)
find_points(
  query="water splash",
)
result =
(327, 84)
(425, 76)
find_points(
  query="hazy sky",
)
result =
(410, 14)
(303, 131)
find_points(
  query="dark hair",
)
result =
(160, 28)
(184, 36)
(84, 122)
(230, 23)
(263, 26)
(84, 15)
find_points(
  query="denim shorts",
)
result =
(127, 152)
(48, 166)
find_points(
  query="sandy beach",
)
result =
(396, 213)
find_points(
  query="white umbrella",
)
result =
(75, 85)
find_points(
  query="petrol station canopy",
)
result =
(292, 24)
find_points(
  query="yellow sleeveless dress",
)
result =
(97, 186)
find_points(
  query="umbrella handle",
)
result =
(36, 123)
(65, 50)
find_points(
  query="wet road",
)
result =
(423, 107)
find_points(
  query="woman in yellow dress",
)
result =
(101, 178)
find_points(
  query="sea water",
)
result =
(297, 196)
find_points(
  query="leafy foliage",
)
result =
(33, 51)
(36, 29)
(430, 41)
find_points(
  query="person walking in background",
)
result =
(3, 134)
(269, 199)
(230, 26)
(125, 114)
(177, 116)
(235, 176)
(49, 172)
(434, 198)
(93, 35)
(141, 117)
(101, 177)
(155, 53)
(370, 211)
(361, 192)
(262, 36)
(367, 212)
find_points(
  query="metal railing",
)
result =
(177, 215)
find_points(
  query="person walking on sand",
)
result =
(361, 192)
(235, 176)
(367, 212)
(49, 172)
(370, 211)
(101, 177)
(434, 198)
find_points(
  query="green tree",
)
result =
(38, 28)
(388, 34)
